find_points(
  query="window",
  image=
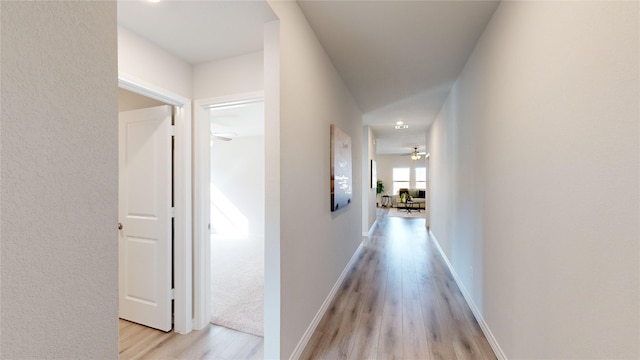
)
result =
(400, 179)
(421, 178)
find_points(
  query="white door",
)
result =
(145, 239)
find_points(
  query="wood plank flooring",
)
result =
(399, 301)
(212, 342)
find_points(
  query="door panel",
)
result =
(145, 215)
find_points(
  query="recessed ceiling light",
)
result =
(399, 122)
(398, 127)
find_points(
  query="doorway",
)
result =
(237, 216)
(145, 201)
(427, 205)
(231, 185)
(181, 211)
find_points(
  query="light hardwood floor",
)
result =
(212, 342)
(399, 301)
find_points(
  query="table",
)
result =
(409, 206)
(386, 200)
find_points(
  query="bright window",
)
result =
(400, 179)
(421, 178)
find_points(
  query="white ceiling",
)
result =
(398, 58)
(198, 31)
(243, 120)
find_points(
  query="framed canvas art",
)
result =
(341, 183)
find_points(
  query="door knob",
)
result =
(119, 226)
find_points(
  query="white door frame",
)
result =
(202, 198)
(427, 205)
(182, 253)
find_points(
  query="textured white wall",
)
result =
(236, 75)
(272, 190)
(145, 61)
(535, 160)
(59, 181)
(128, 100)
(315, 244)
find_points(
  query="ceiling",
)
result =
(398, 58)
(198, 31)
(243, 120)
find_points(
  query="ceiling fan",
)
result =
(223, 136)
(415, 155)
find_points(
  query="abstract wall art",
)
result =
(341, 183)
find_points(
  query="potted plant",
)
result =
(379, 187)
(379, 190)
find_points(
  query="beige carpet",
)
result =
(237, 284)
(395, 212)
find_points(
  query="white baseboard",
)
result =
(472, 305)
(297, 352)
(371, 229)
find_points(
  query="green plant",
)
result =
(379, 186)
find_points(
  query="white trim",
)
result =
(297, 352)
(472, 305)
(139, 86)
(201, 247)
(201, 216)
(371, 229)
(182, 187)
(272, 218)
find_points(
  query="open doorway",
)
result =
(145, 200)
(427, 205)
(137, 95)
(236, 214)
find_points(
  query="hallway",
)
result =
(399, 301)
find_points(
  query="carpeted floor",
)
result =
(237, 281)
(237, 284)
(395, 212)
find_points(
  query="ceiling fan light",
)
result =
(415, 155)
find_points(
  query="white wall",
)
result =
(128, 100)
(534, 175)
(237, 170)
(145, 61)
(272, 271)
(59, 181)
(236, 75)
(315, 244)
